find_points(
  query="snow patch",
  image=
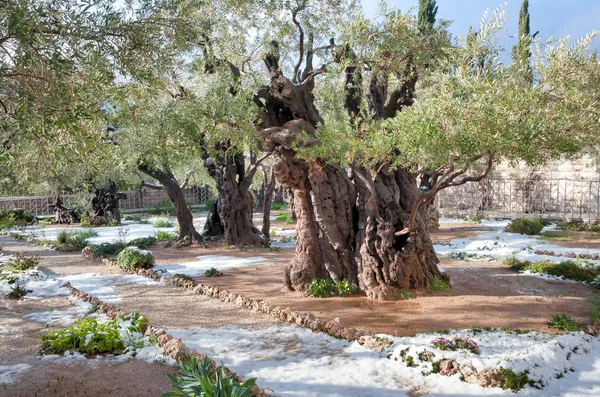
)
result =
(206, 262)
(10, 373)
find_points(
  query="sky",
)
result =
(552, 18)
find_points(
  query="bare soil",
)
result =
(483, 293)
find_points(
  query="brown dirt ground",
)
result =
(576, 239)
(46, 378)
(483, 294)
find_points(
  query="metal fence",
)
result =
(566, 199)
(136, 200)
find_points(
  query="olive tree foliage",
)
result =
(62, 62)
(473, 110)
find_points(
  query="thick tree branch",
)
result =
(300, 41)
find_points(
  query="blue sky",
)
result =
(552, 18)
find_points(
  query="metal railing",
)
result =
(566, 199)
(137, 200)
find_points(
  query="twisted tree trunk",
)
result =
(168, 183)
(347, 223)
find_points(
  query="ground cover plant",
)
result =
(17, 217)
(326, 287)
(528, 226)
(573, 270)
(437, 284)
(287, 218)
(17, 264)
(77, 240)
(132, 258)
(90, 336)
(595, 309)
(198, 379)
(563, 323)
(212, 272)
(163, 223)
(580, 227)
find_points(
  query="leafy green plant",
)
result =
(462, 256)
(528, 226)
(322, 288)
(595, 309)
(514, 381)
(345, 287)
(287, 218)
(437, 284)
(16, 217)
(456, 343)
(87, 336)
(163, 223)
(183, 277)
(132, 258)
(90, 336)
(563, 322)
(165, 236)
(20, 262)
(573, 270)
(276, 206)
(196, 379)
(579, 227)
(213, 272)
(17, 292)
(406, 294)
(77, 240)
(142, 242)
(165, 207)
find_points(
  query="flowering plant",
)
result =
(456, 343)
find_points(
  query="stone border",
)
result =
(172, 347)
(285, 315)
(488, 378)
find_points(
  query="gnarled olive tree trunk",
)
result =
(174, 191)
(348, 222)
(234, 203)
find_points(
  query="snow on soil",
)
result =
(108, 234)
(103, 286)
(205, 262)
(498, 244)
(10, 373)
(297, 362)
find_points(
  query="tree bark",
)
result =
(187, 230)
(234, 203)
(346, 224)
(267, 195)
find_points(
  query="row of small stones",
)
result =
(172, 347)
(569, 254)
(489, 378)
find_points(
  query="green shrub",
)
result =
(165, 236)
(528, 226)
(213, 272)
(88, 336)
(345, 287)
(166, 207)
(563, 322)
(578, 270)
(197, 380)
(16, 217)
(437, 284)
(163, 223)
(287, 218)
(183, 277)
(17, 292)
(595, 306)
(596, 282)
(142, 242)
(514, 381)
(132, 258)
(276, 206)
(322, 288)
(77, 240)
(19, 262)
(579, 227)
(105, 249)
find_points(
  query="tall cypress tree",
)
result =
(522, 51)
(427, 12)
